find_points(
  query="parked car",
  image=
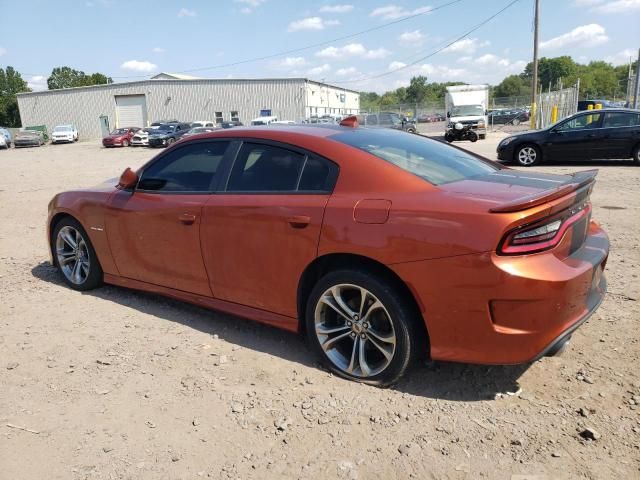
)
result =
(203, 123)
(162, 122)
(389, 120)
(6, 133)
(120, 137)
(231, 124)
(198, 130)
(3, 142)
(29, 138)
(263, 120)
(614, 133)
(64, 134)
(167, 133)
(584, 104)
(383, 247)
(141, 137)
(505, 117)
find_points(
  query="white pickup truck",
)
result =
(467, 104)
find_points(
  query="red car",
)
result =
(382, 246)
(120, 137)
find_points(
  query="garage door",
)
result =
(131, 111)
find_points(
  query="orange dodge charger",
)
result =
(382, 246)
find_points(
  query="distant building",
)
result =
(177, 97)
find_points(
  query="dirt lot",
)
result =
(119, 384)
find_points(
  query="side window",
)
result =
(318, 175)
(265, 168)
(591, 120)
(621, 119)
(192, 168)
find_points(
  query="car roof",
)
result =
(610, 110)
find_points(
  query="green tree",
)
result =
(551, 70)
(416, 92)
(67, 77)
(512, 86)
(11, 82)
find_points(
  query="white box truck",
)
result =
(467, 104)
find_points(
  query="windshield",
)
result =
(64, 128)
(467, 110)
(430, 160)
(119, 131)
(166, 128)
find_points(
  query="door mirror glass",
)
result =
(128, 179)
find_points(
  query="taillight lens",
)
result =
(542, 235)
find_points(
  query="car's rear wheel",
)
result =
(360, 327)
(74, 256)
(515, 122)
(527, 155)
(125, 143)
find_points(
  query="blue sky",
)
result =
(129, 40)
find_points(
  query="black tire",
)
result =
(523, 157)
(94, 275)
(397, 311)
(170, 141)
(449, 137)
(515, 122)
(125, 143)
(473, 136)
(636, 155)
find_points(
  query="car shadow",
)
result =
(436, 380)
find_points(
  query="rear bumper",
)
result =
(491, 309)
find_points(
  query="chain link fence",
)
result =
(564, 102)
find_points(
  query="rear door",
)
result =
(260, 234)
(154, 231)
(620, 132)
(575, 139)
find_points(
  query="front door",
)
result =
(154, 231)
(261, 233)
(575, 139)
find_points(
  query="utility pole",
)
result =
(534, 90)
(637, 94)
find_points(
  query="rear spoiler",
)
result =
(578, 181)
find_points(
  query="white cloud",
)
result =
(311, 23)
(158, 50)
(352, 50)
(415, 38)
(2, 51)
(586, 3)
(582, 36)
(466, 45)
(395, 65)
(185, 12)
(349, 71)
(465, 59)
(319, 70)
(290, 62)
(37, 83)
(139, 66)
(392, 12)
(250, 5)
(336, 8)
(622, 57)
(246, 10)
(618, 6)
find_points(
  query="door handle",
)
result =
(591, 135)
(187, 218)
(299, 221)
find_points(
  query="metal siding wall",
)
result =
(189, 100)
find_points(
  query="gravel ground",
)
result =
(115, 383)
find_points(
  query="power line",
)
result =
(299, 49)
(435, 52)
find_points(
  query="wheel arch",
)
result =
(57, 218)
(336, 261)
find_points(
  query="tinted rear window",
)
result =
(431, 160)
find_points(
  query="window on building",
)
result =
(218, 117)
(234, 116)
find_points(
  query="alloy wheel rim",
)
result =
(73, 255)
(355, 330)
(527, 155)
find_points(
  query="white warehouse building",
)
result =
(169, 97)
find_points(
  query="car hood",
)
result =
(27, 135)
(505, 185)
(115, 137)
(160, 134)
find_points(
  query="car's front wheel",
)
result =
(74, 255)
(125, 143)
(170, 141)
(636, 154)
(361, 327)
(527, 155)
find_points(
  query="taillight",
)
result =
(544, 234)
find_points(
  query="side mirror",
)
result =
(128, 179)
